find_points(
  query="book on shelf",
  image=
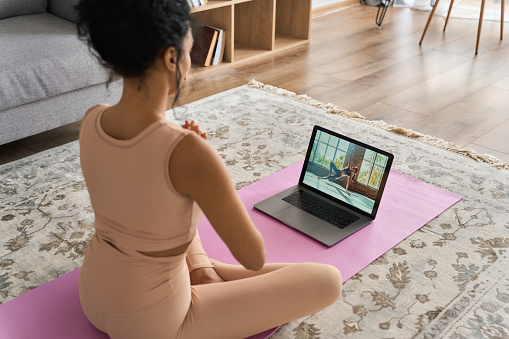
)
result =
(217, 55)
(204, 45)
(196, 3)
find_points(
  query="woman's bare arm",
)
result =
(196, 170)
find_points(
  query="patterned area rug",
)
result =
(449, 279)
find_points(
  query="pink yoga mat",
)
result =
(407, 205)
(53, 311)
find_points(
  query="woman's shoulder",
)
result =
(174, 130)
(189, 143)
(96, 108)
(173, 126)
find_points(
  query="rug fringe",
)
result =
(427, 139)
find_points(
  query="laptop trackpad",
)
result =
(297, 218)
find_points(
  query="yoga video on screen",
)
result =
(346, 171)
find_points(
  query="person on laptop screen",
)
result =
(336, 173)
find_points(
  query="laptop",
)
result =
(339, 190)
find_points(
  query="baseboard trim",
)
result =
(333, 7)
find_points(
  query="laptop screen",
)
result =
(347, 170)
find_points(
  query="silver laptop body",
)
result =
(333, 162)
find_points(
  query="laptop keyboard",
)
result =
(321, 209)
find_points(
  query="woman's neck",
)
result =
(146, 102)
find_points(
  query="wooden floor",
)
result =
(440, 88)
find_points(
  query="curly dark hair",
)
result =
(128, 35)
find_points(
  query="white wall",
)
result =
(321, 3)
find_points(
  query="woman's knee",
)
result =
(332, 282)
(326, 280)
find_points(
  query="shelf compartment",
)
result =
(293, 18)
(220, 17)
(284, 41)
(244, 52)
(254, 28)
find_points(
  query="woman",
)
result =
(145, 273)
(335, 173)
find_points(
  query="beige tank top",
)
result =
(134, 201)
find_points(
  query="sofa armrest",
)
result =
(64, 9)
(16, 8)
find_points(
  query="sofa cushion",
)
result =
(10, 8)
(64, 9)
(41, 56)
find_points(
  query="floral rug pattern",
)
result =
(449, 279)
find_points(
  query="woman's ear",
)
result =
(170, 59)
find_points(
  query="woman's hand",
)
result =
(190, 125)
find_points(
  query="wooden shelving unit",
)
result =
(255, 28)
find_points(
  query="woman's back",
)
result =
(135, 203)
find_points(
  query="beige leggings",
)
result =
(128, 295)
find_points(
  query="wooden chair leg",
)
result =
(448, 13)
(480, 26)
(429, 20)
(502, 20)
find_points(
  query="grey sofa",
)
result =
(48, 78)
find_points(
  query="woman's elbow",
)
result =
(251, 254)
(257, 261)
(257, 255)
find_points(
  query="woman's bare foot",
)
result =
(205, 275)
